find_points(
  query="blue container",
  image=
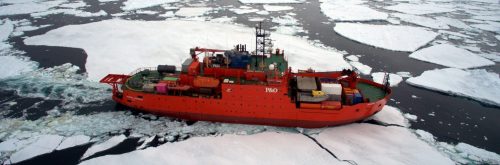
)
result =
(357, 98)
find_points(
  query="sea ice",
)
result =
(478, 154)
(373, 144)
(6, 28)
(450, 56)
(391, 115)
(362, 68)
(477, 84)
(146, 46)
(113, 141)
(350, 10)
(287, 148)
(44, 144)
(75, 12)
(271, 1)
(492, 56)
(422, 21)
(488, 26)
(392, 37)
(73, 141)
(352, 58)
(243, 11)
(192, 11)
(139, 4)
(276, 8)
(59, 82)
(394, 79)
(15, 65)
(453, 22)
(421, 9)
(27, 7)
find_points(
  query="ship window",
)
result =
(139, 97)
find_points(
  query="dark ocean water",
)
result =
(449, 118)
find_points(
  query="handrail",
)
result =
(141, 69)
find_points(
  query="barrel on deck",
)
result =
(166, 69)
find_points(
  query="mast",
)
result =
(261, 41)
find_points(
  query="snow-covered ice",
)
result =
(394, 79)
(113, 141)
(287, 148)
(276, 8)
(243, 11)
(350, 10)
(373, 144)
(44, 144)
(352, 58)
(450, 56)
(192, 11)
(74, 12)
(488, 26)
(73, 141)
(392, 37)
(421, 9)
(27, 7)
(391, 115)
(362, 68)
(422, 21)
(6, 29)
(271, 1)
(15, 65)
(146, 46)
(477, 84)
(139, 4)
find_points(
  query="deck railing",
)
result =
(142, 69)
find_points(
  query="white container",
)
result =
(331, 89)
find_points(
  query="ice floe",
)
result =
(139, 4)
(373, 144)
(392, 37)
(352, 58)
(243, 11)
(287, 148)
(15, 65)
(477, 84)
(488, 26)
(271, 1)
(421, 9)
(276, 8)
(362, 68)
(74, 12)
(27, 7)
(450, 56)
(44, 144)
(113, 141)
(394, 79)
(192, 11)
(350, 10)
(391, 115)
(73, 141)
(146, 44)
(6, 29)
(422, 21)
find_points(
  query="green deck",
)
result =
(282, 64)
(371, 92)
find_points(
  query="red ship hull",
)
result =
(249, 104)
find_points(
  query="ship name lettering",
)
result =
(271, 90)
